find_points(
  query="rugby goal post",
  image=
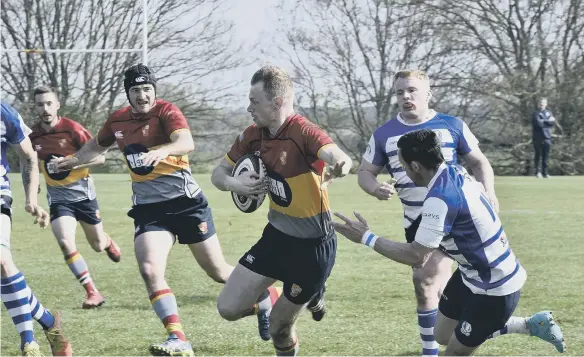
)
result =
(143, 50)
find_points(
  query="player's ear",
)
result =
(278, 102)
(429, 95)
(415, 166)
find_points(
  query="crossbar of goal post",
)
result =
(144, 48)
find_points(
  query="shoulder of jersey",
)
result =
(69, 123)
(448, 118)
(387, 125)
(9, 113)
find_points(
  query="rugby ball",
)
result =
(249, 162)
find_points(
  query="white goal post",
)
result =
(144, 48)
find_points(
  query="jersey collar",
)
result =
(441, 168)
(430, 116)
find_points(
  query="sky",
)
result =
(255, 21)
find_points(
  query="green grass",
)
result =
(370, 299)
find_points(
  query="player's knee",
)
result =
(227, 310)
(442, 337)
(425, 287)
(97, 245)
(67, 245)
(149, 272)
(5, 257)
(217, 274)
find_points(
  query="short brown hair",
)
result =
(277, 82)
(45, 89)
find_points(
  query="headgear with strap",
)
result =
(136, 75)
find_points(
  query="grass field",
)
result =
(370, 299)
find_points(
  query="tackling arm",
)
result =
(413, 254)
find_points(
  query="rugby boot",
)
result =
(60, 345)
(173, 346)
(544, 326)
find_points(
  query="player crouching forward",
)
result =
(71, 194)
(168, 204)
(298, 245)
(458, 218)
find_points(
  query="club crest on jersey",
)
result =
(38, 148)
(62, 143)
(465, 328)
(295, 290)
(203, 227)
(283, 156)
(118, 134)
(146, 129)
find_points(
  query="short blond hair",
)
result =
(411, 73)
(277, 82)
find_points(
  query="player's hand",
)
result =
(41, 216)
(248, 184)
(353, 230)
(60, 164)
(152, 158)
(333, 172)
(385, 190)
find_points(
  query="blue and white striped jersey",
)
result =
(456, 137)
(458, 216)
(13, 132)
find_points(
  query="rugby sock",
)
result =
(426, 323)
(15, 297)
(265, 302)
(288, 351)
(514, 325)
(39, 313)
(164, 304)
(79, 268)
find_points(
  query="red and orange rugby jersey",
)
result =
(298, 205)
(135, 135)
(63, 140)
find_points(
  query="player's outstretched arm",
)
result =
(90, 151)
(367, 179)
(413, 254)
(339, 163)
(181, 143)
(30, 180)
(99, 160)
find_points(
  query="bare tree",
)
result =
(519, 50)
(344, 54)
(189, 44)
